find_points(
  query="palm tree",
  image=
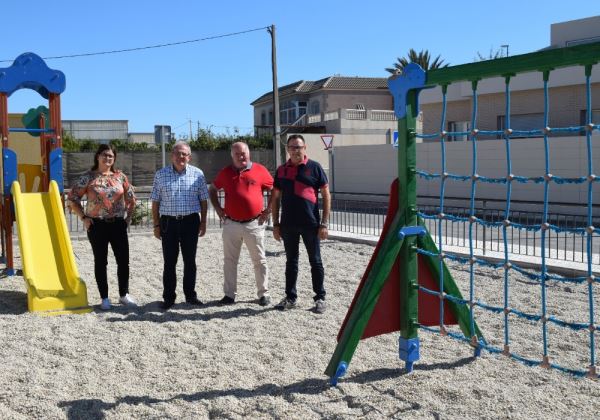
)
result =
(492, 55)
(422, 58)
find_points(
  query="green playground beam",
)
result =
(407, 205)
(367, 299)
(586, 54)
(460, 311)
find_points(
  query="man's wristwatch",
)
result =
(324, 225)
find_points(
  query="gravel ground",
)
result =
(244, 360)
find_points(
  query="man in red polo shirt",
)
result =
(243, 219)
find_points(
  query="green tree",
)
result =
(422, 58)
(69, 143)
(88, 145)
(118, 144)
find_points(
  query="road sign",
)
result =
(395, 139)
(327, 140)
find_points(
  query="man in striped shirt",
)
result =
(179, 193)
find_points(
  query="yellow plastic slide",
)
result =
(49, 270)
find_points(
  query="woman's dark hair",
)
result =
(101, 149)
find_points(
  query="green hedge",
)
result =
(205, 140)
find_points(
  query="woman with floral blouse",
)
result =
(109, 207)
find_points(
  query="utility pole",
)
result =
(162, 145)
(276, 127)
(191, 138)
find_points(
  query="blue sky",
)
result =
(212, 83)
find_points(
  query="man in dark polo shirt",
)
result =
(243, 219)
(297, 186)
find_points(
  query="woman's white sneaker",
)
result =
(105, 305)
(127, 300)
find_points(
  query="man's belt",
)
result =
(245, 221)
(178, 217)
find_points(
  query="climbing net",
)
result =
(547, 336)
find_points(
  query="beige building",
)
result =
(567, 150)
(567, 93)
(333, 105)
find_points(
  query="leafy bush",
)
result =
(140, 213)
(204, 140)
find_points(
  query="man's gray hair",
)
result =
(240, 143)
(181, 143)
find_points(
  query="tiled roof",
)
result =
(356, 83)
(333, 82)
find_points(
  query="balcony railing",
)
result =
(356, 114)
(331, 115)
(315, 118)
(383, 115)
(353, 114)
(348, 114)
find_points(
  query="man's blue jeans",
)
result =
(291, 240)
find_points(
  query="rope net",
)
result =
(533, 300)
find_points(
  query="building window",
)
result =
(290, 111)
(315, 107)
(263, 118)
(582, 41)
(522, 122)
(285, 112)
(459, 127)
(583, 118)
(301, 108)
(595, 117)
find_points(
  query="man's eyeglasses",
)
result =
(181, 154)
(295, 147)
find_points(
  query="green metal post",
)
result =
(366, 301)
(407, 189)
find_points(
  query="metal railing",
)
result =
(564, 246)
(366, 218)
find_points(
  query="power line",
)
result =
(170, 44)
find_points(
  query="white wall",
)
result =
(371, 169)
(573, 30)
(315, 148)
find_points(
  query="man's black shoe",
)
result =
(166, 305)
(194, 301)
(264, 300)
(227, 301)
